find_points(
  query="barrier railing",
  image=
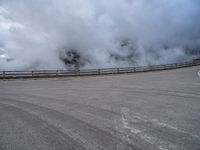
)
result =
(69, 73)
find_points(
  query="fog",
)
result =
(63, 34)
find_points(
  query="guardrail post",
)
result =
(4, 75)
(117, 70)
(32, 73)
(56, 73)
(99, 71)
(132, 70)
(78, 72)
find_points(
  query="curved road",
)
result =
(147, 111)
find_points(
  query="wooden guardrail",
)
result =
(68, 73)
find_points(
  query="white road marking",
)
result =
(129, 125)
(128, 118)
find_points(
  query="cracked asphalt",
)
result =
(143, 111)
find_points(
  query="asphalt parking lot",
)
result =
(147, 111)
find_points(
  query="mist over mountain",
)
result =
(63, 34)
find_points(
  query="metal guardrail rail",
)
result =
(69, 73)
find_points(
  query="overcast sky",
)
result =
(35, 32)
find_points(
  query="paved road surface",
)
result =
(147, 111)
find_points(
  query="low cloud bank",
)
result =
(51, 34)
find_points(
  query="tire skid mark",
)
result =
(103, 113)
(100, 118)
(38, 123)
(46, 111)
(145, 91)
(138, 90)
(82, 132)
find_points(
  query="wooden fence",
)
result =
(88, 72)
